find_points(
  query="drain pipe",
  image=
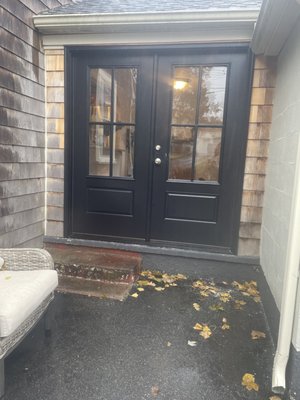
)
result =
(290, 284)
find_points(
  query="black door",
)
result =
(158, 139)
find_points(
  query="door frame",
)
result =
(71, 52)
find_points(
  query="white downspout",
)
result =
(290, 284)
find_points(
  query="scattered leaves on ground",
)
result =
(248, 381)
(225, 297)
(134, 295)
(140, 289)
(257, 335)
(196, 306)
(192, 343)
(274, 398)
(159, 288)
(145, 283)
(248, 289)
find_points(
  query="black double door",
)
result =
(157, 144)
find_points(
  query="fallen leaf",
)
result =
(173, 284)
(154, 391)
(238, 304)
(274, 398)
(198, 327)
(248, 381)
(135, 295)
(192, 343)
(159, 289)
(140, 289)
(206, 332)
(169, 344)
(196, 306)
(257, 335)
(225, 324)
(145, 283)
(225, 297)
(216, 307)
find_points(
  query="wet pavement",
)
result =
(147, 348)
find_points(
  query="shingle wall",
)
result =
(22, 124)
(257, 154)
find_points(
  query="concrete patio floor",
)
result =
(138, 349)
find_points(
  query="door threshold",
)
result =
(159, 250)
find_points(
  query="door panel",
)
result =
(158, 144)
(196, 185)
(111, 144)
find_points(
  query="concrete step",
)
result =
(95, 271)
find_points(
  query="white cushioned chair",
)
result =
(27, 284)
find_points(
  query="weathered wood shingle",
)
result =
(22, 125)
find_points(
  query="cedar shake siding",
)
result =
(22, 124)
(257, 155)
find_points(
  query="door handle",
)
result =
(157, 161)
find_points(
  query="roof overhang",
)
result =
(217, 25)
(276, 21)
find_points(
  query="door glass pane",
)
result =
(99, 150)
(213, 84)
(125, 94)
(208, 150)
(185, 87)
(100, 101)
(123, 151)
(181, 153)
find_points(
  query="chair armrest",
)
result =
(26, 259)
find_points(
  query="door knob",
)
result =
(157, 161)
(158, 147)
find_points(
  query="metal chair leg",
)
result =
(2, 378)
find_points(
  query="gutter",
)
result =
(71, 22)
(288, 305)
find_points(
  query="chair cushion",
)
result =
(21, 292)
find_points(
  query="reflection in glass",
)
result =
(181, 153)
(208, 150)
(100, 101)
(185, 87)
(125, 94)
(99, 150)
(212, 98)
(123, 151)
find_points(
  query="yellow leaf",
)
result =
(173, 284)
(225, 324)
(145, 283)
(248, 381)
(198, 327)
(196, 306)
(216, 307)
(206, 332)
(159, 289)
(274, 398)
(257, 335)
(225, 297)
(135, 295)
(239, 304)
(140, 289)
